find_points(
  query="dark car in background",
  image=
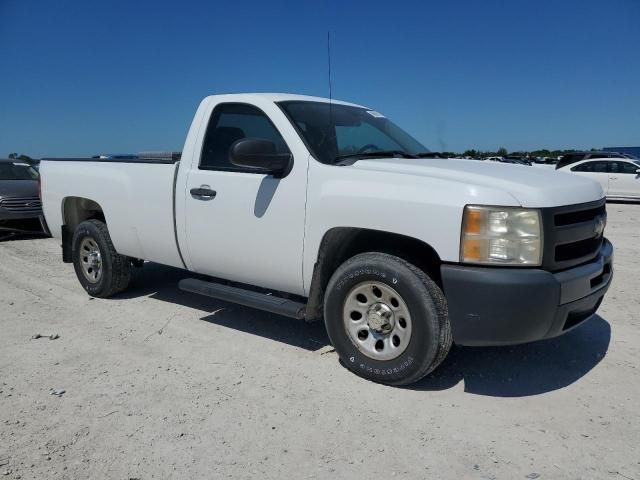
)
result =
(518, 159)
(20, 205)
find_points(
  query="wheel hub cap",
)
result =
(91, 260)
(94, 259)
(377, 320)
(380, 318)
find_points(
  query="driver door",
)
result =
(242, 225)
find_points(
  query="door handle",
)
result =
(203, 193)
(613, 178)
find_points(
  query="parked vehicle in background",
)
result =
(116, 156)
(573, 157)
(543, 160)
(518, 159)
(619, 177)
(508, 159)
(319, 209)
(19, 196)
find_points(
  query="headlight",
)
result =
(501, 236)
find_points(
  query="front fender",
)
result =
(424, 208)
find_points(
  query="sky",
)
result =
(84, 77)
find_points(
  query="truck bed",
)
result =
(137, 196)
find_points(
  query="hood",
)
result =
(532, 187)
(18, 188)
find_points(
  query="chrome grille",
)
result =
(21, 204)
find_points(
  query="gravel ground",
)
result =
(163, 384)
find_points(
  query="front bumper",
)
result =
(7, 216)
(507, 306)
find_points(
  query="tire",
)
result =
(424, 340)
(101, 270)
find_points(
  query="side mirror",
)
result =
(261, 155)
(638, 171)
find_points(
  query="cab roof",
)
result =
(281, 97)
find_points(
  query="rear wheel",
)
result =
(101, 270)
(386, 319)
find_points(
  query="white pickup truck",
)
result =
(327, 210)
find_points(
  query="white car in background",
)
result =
(619, 177)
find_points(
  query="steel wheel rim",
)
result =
(91, 260)
(377, 320)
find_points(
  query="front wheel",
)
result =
(101, 270)
(386, 319)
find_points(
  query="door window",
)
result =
(231, 122)
(594, 167)
(624, 167)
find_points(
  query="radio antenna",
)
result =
(329, 65)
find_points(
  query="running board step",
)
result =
(248, 298)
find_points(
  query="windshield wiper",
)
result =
(376, 154)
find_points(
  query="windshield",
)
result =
(333, 132)
(17, 171)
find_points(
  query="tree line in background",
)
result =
(503, 152)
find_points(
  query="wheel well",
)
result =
(76, 210)
(340, 244)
